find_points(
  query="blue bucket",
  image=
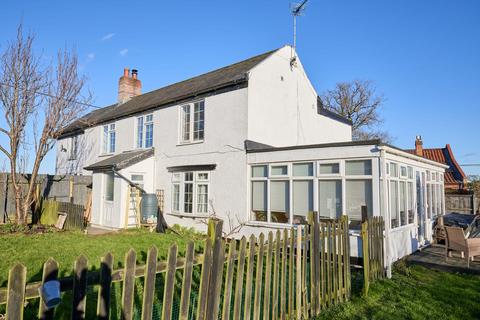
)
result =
(51, 293)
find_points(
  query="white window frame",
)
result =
(406, 179)
(316, 177)
(107, 138)
(279, 176)
(145, 123)
(191, 137)
(178, 178)
(320, 163)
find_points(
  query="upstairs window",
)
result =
(192, 122)
(145, 131)
(109, 138)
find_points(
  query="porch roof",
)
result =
(121, 160)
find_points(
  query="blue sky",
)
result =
(423, 56)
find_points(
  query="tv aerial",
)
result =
(297, 9)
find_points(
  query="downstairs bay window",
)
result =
(190, 192)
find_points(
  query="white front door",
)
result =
(108, 199)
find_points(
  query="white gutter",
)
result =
(412, 156)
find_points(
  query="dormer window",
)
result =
(192, 122)
(145, 131)
(109, 138)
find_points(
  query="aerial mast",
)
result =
(297, 10)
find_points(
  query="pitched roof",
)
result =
(232, 75)
(331, 114)
(454, 174)
(121, 160)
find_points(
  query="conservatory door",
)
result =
(420, 178)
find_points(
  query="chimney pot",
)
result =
(419, 146)
(128, 87)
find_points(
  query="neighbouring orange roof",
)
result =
(454, 174)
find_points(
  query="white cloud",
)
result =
(90, 56)
(108, 36)
(123, 52)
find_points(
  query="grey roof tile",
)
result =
(227, 76)
(121, 160)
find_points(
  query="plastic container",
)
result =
(51, 293)
(149, 208)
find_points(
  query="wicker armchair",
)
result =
(456, 241)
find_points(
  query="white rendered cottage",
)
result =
(248, 142)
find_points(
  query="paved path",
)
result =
(433, 257)
(97, 231)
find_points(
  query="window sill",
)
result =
(187, 143)
(269, 224)
(189, 215)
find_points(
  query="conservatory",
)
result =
(360, 179)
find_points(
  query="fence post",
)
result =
(366, 267)
(298, 276)
(50, 272)
(16, 291)
(79, 288)
(169, 283)
(258, 278)
(215, 227)
(187, 281)
(129, 284)
(204, 279)
(103, 304)
(149, 284)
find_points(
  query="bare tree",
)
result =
(358, 102)
(21, 77)
(26, 91)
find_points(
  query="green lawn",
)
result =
(415, 293)
(33, 249)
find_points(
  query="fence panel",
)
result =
(373, 251)
(294, 274)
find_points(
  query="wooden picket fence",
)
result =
(373, 251)
(294, 274)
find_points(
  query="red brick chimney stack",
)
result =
(129, 86)
(419, 146)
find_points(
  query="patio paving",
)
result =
(433, 257)
(98, 231)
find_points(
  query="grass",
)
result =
(415, 293)
(33, 250)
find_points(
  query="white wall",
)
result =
(147, 169)
(282, 106)
(225, 132)
(90, 145)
